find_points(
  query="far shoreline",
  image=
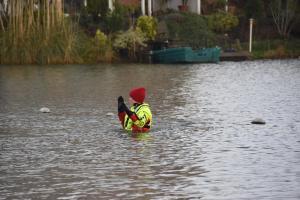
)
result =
(146, 63)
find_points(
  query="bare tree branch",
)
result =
(284, 15)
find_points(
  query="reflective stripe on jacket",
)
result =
(144, 119)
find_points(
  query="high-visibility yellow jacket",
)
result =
(140, 121)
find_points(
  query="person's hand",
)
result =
(120, 100)
(122, 107)
(121, 104)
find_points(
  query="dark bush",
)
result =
(191, 29)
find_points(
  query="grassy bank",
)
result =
(276, 49)
(37, 32)
(29, 35)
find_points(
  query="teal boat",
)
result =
(186, 55)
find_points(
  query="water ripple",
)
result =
(202, 146)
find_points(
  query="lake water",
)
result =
(202, 144)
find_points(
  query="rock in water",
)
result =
(258, 121)
(110, 114)
(45, 110)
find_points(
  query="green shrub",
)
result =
(100, 40)
(130, 40)
(95, 49)
(117, 20)
(222, 22)
(191, 29)
(97, 8)
(147, 25)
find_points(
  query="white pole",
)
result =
(143, 6)
(226, 6)
(5, 4)
(199, 7)
(250, 36)
(110, 5)
(149, 7)
(85, 3)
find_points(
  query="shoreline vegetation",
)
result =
(41, 33)
(31, 35)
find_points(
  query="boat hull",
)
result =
(186, 55)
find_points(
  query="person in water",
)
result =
(138, 118)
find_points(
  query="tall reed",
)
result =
(36, 32)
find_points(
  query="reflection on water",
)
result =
(202, 144)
